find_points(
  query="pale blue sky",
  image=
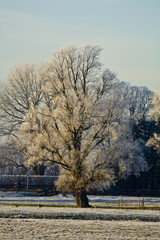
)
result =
(127, 30)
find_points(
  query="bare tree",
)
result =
(12, 159)
(80, 125)
(22, 91)
(138, 101)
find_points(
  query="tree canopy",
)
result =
(81, 124)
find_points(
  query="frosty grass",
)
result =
(28, 229)
(40, 222)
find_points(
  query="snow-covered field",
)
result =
(16, 211)
(28, 229)
(46, 222)
(30, 197)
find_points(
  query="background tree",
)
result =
(138, 108)
(138, 102)
(80, 125)
(21, 92)
(12, 159)
(155, 115)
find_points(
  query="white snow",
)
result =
(30, 197)
(29, 229)
(68, 223)
(77, 213)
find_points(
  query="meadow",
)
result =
(31, 217)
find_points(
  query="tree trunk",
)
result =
(82, 199)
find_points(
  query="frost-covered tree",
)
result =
(80, 124)
(21, 91)
(18, 94)
(155, 115)
(138, 101)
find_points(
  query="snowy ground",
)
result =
(16, 211)
(42, 222)
(30, 197)
(28, 229)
